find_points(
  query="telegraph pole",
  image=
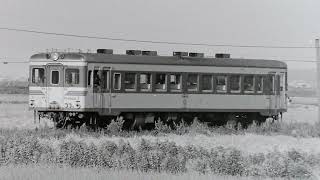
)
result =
(317, 46)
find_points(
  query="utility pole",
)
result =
(317, 46)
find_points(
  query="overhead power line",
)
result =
(153, 42)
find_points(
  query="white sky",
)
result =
(239, 22)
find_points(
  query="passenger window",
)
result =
(175, 82)
(270, 84)
(54, 77)
(72, 76)
(248, 84)
(145, 82)
(235, 83)
(192, 82)
(221, 84)
(89, 77)
(130, 81)
(160, 83)
(206, 83)
(37, 75)
(117, 81)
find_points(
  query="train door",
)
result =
(270, 88)
(101, 89)
(55, 85)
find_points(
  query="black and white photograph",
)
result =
(159, 89)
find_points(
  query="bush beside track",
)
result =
(53, 147)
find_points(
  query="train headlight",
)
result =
(54, 56)
(32, 103)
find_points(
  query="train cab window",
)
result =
(221, 84)
(259, 84)
(248, 84)
(38, 75)
(192, 82)
(116, 81)
(130, 80)
(175, 82)
(72, 76)
(54, 77)
(160, 83)
(89, 77)
(206, 83)
(235, 84)
(145, 82)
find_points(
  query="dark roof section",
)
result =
(165, 60)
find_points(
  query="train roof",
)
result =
(162, 60)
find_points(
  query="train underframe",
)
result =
(143, 120)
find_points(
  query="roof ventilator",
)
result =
(201, 55)
(105, 51)
(180, 54)
(149, 53)
(222, 55)
(133, 52)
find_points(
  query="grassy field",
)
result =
(67, 173)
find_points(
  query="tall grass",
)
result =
(154, 157)
(43, 172)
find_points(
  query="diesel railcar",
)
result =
(140, 86)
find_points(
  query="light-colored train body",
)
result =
(66, 82)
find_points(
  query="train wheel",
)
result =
(232, 120)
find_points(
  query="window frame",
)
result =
(165, 82)
(135, 83)
(211, 81)
(226, 83)
(253, 84)
(239, 83)
(197, 82)
(114, 81)
(65, 76)
(181, 82)
(44, 75)
(150, 84)
(57, 84)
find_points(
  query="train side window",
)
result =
(38, 75)
(116, 81)
(175, 82)
(235, 83)
(206, 83)
(259, 85)
(248, 84)
(160, 84)
(72, 76)
(130, 80)
(54, 77)
(145, 81)
(221, 84)
(89, 77)
(192, 82)
(270, 84)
